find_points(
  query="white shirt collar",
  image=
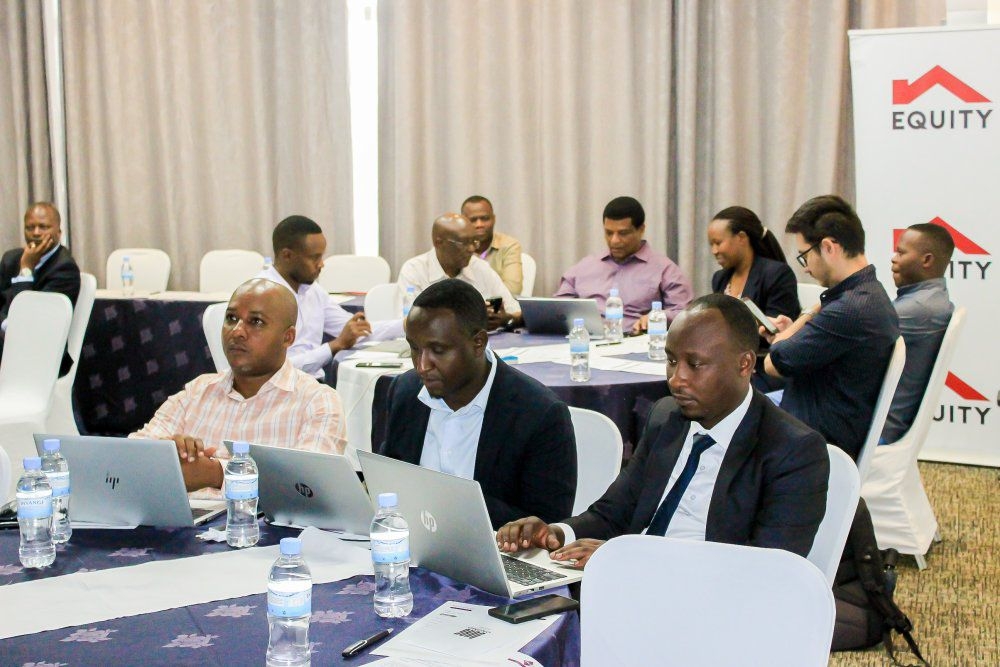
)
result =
(480, 400)
(724, 431)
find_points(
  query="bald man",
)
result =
(262, 398)
(455, 240)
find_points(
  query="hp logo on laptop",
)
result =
(304, 490)
(428, 520)
(112, 480)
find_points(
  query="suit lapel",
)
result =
(752, 289)
(500, 406)
(663, 458)
(742, 446)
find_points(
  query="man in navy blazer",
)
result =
(464, 412)
(717, 461)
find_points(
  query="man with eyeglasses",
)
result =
(455, 241)
(836, 353)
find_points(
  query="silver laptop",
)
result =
(543, 315)
(123, 482)
(303, 489)
(450, 530)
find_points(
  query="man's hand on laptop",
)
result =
(577, 553)
(200, 470)
(527, 533)
(190, 448)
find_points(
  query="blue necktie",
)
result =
(658, 526)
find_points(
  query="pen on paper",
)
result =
(359, 646)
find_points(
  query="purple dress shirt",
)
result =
(641, 279)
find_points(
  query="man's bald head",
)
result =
(455, 240)
(258, 328)
(278, 299)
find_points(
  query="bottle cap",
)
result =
(577, 322)
(614, 291)
(291, 546)
(32, 463)
(241, 447)
(125, 258)
(411, 288)
(387, 500)
(657, 305)
(51, 445)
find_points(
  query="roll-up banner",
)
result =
(927, 144)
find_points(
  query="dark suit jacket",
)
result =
(59, 274)
(771, 285)
(526, 459)
(771, 489)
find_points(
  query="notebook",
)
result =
(124, 482)
(543, 315)
(450, 530)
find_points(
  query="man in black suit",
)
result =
(717, 461)
(463, 411)
(42, 265)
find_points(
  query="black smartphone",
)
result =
(495, 303)
(759, 315)
(526, 610)
(379, 364)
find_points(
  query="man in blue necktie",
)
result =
(717, 460)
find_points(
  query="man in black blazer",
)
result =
(42, 265)
(463, 411)
(740, 470)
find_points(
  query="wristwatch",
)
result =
(26, 273)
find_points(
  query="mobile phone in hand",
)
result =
(759, 315)
(526, 610)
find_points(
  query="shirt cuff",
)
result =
(22, 279)
(569, 535)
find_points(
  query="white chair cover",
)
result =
(61, 419)
(892, 373)
(353, 273)
(841, 506)
(598, 455)
(809, 294)
(150, 266)
(384, 302)
(211, 323)
(225, 270)
(529, 270)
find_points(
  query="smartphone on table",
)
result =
(526, 610)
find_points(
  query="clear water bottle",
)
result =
(657, 328)
(614, 311)
(408, 297)
(128, 276)
(267, 263)
(34, 516)
(56, 469)
(242, 529)
(579, 352)
(289, 606)
(390, 539)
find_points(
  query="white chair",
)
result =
(225, 270)
(892, 373)
(5, 474)
(901, 512)
(37, 329)
(598, 455)
(841, 506)
(353, 273)
(211, 323)
(809, 294)
(61, 420)
(384, 302)
(528, 271)
(150, 266)
(660, 601)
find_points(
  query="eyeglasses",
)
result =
(801, 257)
(459, 243)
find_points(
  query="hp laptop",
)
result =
(544, 315)
(450, 530)
(303, 489)
(123, 482)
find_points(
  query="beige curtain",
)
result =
(194, 125)
(550, 109)
(25, 163)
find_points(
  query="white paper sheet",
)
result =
(91, 597)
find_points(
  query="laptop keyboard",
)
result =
(527, 574)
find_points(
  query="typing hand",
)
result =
(529, 532)
(781, 321)
(577, 553)
(190, 448)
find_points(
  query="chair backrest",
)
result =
(384, 302)
(656, 600)
(809, 294)
(225, 270)
(841, 505)
(60, 418)
(892, 374)
(5, 475)
(598, 455)
(37, 330)
(211, 323)
(529, 269)
(353, 273)
(150, 266)
(81, 316)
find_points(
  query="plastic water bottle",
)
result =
(408, 297)
(614, 311)
(56, 469)
(34, 516)
(579, 352)
(390, 538)
(657, 327)
(128, 276)
(289, 606)
(267, 264)
(241, 498)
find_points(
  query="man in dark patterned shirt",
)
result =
(836, 353)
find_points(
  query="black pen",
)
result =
(614, 342)
(357, 647)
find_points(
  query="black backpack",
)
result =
(863, 588)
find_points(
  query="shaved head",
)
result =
(273, 298)
(455, 239)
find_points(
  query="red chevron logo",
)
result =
(904, 92)
(963, 243)
(961, 388)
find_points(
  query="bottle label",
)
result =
(241, 487)
(613, 314)
(579, 347)
(59, 481)
(34, 505)
(396, 550)
(657, 328)
(289, 604)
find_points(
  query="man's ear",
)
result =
(480, 338)
(927, 260)
(748, 360)
(289, 337)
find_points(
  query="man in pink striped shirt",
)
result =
(263, 398)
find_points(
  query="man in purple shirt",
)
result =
(640, 274)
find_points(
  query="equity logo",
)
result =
(963, 269)
(959, 413)
(905, 92)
